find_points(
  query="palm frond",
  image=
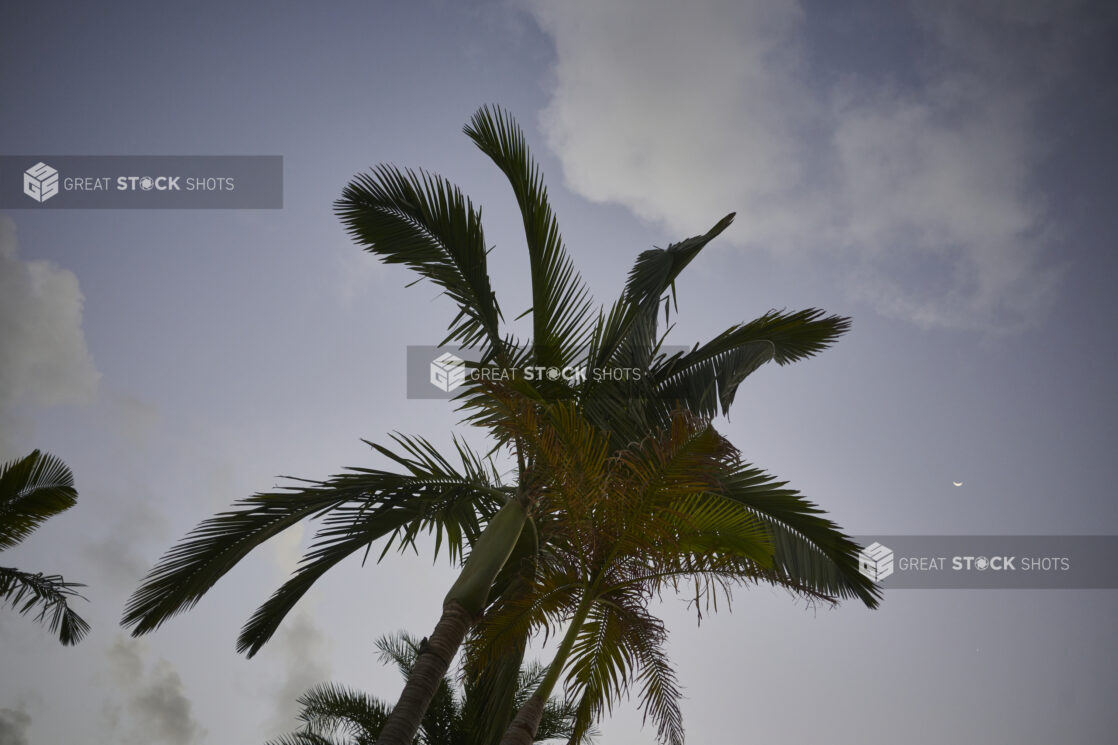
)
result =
(808, 549)
(32, 489)
(399, 649)
(656, 269)
(560, 300)
(423, 221)
(331, 711)
(627, 337)
(363, 506)
(620, 644)
(706, 380)
(452, 508)
(707, 377)
(600, 666)
(189, 569)
(659, 689)
(50, 596)
(652, 275)
(710, 524)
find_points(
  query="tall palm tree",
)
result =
(32, 490)
(336, 715)
(424, 222)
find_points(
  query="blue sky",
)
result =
(940, 172)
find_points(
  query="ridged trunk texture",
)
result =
(430, 667)
(522, 731)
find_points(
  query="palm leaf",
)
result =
(32, 490)
(189, 569)
(398, 505)
(331, 711)
(439, 506)
(652, 275)
(424, 222)
(706, 379)
(560, 301)
(659, 689)
(50, 595)
(656, 269)
(809, 549)
(620, 644)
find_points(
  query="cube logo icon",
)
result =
(40, 182)
(876, 561)
(448, 372)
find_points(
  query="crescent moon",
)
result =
(957, 483)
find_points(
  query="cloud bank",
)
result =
(917, 177)
(43, 355)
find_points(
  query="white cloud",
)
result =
(43, 355)
(669, 108)
(926, 192)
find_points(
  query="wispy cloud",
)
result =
(14, 724)
(922, 186)
(300, 646)
(157, 709)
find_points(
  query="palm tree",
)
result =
(32, 490)
(426, 223)
(335, 715)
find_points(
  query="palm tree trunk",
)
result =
(522, 731)
(461, 609)
(423, 682)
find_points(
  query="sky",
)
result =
(941, 172)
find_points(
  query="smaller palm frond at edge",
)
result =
(32, 489)
(50, 595)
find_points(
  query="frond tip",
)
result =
(50, 595)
